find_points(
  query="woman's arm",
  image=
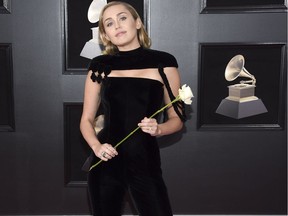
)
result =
(173, 123)
(90, 106)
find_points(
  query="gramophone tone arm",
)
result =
(253, 80)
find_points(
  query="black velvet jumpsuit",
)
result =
(126, 101)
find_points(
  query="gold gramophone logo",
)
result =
(241, 101)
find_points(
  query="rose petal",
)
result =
(185, 94)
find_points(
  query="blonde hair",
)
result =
(109, 47)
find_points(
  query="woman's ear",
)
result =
(138, 23)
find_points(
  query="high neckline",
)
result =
(130, 52)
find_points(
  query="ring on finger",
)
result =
(103, 154)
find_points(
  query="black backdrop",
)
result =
(78, 31)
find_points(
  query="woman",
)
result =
(130, 81)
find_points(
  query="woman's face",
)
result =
(121, 28)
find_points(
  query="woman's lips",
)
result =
(120, 33)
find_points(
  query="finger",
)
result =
(110, 153)
(107, 152)
(147, 125)
(103, 156)
(148, 129)
(108, 156)
(111, 150)
(145, 120)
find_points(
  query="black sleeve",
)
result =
(99, 69)
(178, 106)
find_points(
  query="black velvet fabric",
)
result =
(127, 100)
(139, 58)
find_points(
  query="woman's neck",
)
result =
(132, 52)
(129, 47)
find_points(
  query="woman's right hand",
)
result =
(105, 151)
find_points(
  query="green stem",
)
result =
(131, 133)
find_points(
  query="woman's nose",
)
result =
(117, 25)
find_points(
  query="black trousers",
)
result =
(107, 187)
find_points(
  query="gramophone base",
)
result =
(241, 109)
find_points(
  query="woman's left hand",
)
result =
(149, 125)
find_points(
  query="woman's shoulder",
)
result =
(159, 52)
(99, 61)
(100, 68)
(101, 58)
(163, 57)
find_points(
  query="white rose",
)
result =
(185, 94)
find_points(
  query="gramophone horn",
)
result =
(94, 10)
(235, 68)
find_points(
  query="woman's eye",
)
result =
(109, 24)
(123, 18)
